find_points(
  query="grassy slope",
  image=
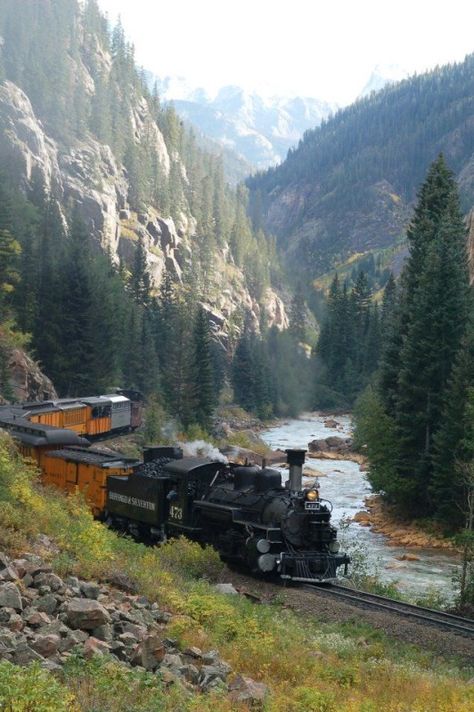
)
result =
(309, 667)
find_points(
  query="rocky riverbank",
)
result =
(45, 619)
(382, 520)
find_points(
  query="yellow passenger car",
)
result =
(69, 414)
(86, 470)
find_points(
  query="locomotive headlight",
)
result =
(334, 546)
(312, 495)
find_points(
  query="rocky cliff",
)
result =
(87, 174)
(84, 172)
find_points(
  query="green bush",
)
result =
(32, 689)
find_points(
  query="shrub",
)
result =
(32, 689)
(189, 559)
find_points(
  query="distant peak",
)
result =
(381, 75)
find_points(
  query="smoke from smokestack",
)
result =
(200, 448)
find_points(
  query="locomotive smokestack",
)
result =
(295, 459)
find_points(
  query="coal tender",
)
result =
(243, 511)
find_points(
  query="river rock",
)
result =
(408, 557)
(331, 444)
(85, 614)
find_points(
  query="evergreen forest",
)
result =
(415, 417)
(357, 174)
(92, 322)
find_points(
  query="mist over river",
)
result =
(346, 486)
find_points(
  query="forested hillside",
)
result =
(350, 185)
(128, 259)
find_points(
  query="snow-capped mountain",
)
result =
(260, 129)
(382, 75)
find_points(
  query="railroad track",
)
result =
(428, 616)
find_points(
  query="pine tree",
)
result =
(242, 374)
(446, 489)
(298, 315)
(140, 277)
(202, 377)
(426, 335)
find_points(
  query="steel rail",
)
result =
(457, 624)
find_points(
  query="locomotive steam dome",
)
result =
(267, 479)
(244, 476)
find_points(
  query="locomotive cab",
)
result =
(189, 480)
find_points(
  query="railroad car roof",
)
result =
(114, 398)
(36, 434)
(97, 400)
(93, 457)
(188, 465)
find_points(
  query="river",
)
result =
(346, 486)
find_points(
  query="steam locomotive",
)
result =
(243, 511)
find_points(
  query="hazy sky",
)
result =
(322, 48)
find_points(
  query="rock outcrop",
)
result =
(27, 380)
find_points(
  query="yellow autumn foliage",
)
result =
(308, 666)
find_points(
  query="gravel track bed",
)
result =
(326, 609)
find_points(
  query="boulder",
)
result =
(10, 597)
(36, 619)
(219, 670)
(46, 645)
(226, 588)
(150, 652)
(90, 589)
(104, 632)
(48, 579)
(71, 639)
(244, 689)
(333, 443)
(193, 652)
(24, 654)
(93, 646)
(9, 573)
(85, 614)
(16, 623)
(47, 603)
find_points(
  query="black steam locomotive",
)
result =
(243, 511)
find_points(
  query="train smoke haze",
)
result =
(201, 448)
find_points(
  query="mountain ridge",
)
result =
(261, 129)
(350, 184)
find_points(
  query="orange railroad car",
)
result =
(86, 470)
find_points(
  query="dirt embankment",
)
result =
(381, 519)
